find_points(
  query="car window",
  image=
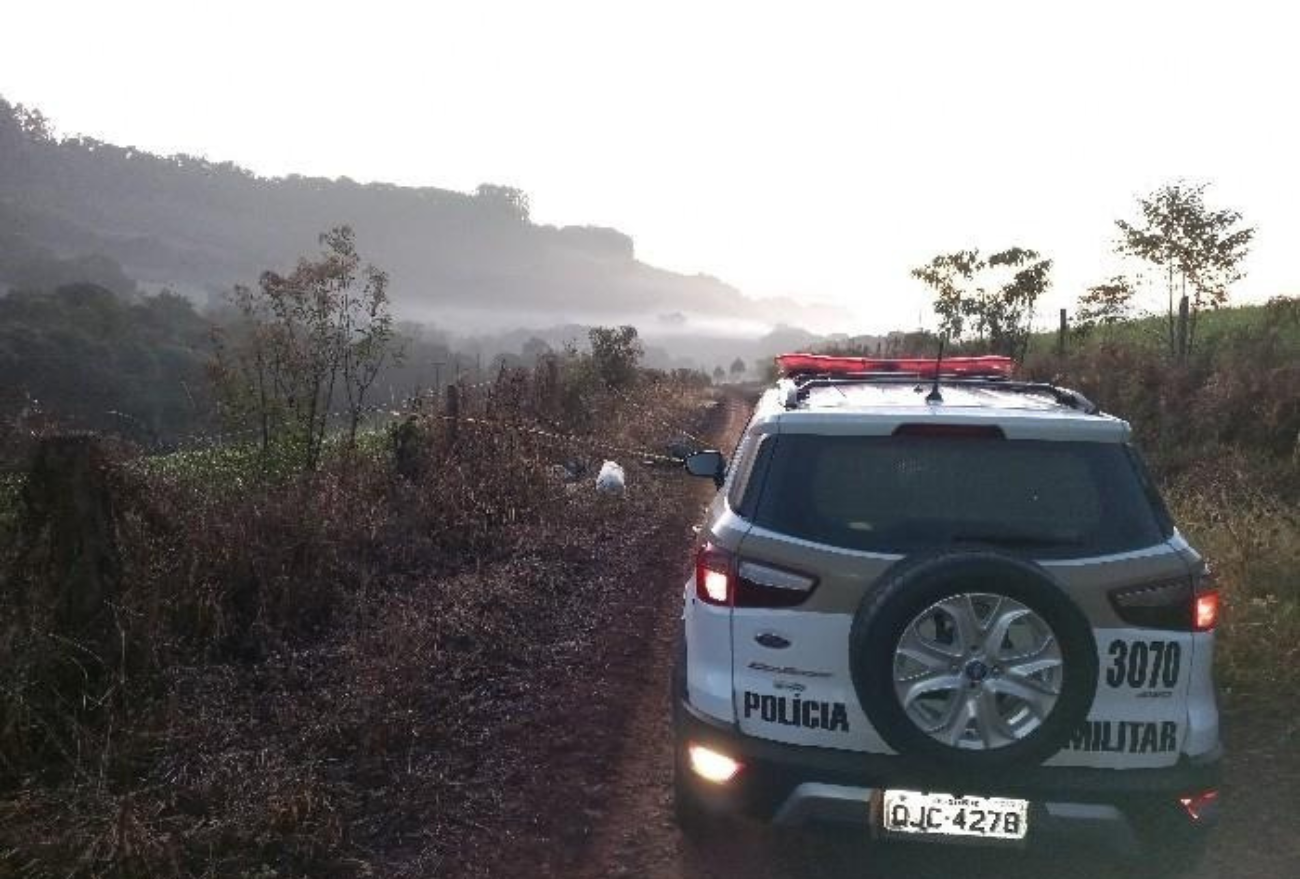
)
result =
(741, 464)
(895, 494)
(744, 494)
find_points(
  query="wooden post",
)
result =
(67, 504)
(453, 412)
(552, 385)
(407, 443)
(1061, 334)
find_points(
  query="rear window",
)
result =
(903, 494)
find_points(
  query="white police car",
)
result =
(944, 608)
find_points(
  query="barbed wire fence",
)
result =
(515, 401)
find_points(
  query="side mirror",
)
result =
(710, 464)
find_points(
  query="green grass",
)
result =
(1214, 328)
(235, 467)
(227, 468)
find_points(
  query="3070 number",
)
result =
(1144, 664)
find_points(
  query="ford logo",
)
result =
(772, 641)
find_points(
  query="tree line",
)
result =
(988, 300)
(287, 364)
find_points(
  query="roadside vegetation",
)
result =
(317, 644)
(1221, 429)
(294, 652)
(1214, 394)
(1212, 391)
(293, 673)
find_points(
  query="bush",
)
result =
(1239, 390)
(221, 560)
(270, 632)
(1251, 537)
(615, 354)
(1223, 433)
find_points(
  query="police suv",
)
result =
(945, 605)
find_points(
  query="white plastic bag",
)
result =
(610, 479)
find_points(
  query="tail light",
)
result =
(1181, 605)
(713, 575)
(1203, 806)
(1205, 607)
(722, 579)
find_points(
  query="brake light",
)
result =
(951, 431)
(717, 586)
(713, 575)
(1207, 611)
(722, 580)
(1181, 605)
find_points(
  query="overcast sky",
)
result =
(813, 149)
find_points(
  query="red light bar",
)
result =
(825, 364)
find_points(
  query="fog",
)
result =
(474, 263)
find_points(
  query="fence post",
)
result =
(551, 390)
(407, 446)
(1061, 334)
(67, 503)
(453, 412)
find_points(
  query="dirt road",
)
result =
(610, 815)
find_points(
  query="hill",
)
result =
(199, 226)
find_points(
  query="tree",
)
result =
(994, 296)
(44, 271)
(34, 123)
(534, 350)
(506, 200)
(1106, 304)
(91, 359)
(1199, 248)
(737, 368)
(309, 340)
(615, 352)
(718, 374)
(948, 275)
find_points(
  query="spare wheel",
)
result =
(973, 659)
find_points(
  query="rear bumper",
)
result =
(786, 784)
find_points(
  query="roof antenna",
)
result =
(934, 396)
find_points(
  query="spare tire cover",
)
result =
(972, 659)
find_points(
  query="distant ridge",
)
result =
(200, 226)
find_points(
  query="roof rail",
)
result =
(795, 390)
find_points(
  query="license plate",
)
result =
(940, 815)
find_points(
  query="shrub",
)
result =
(1251, 537)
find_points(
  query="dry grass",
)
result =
(1251, 536)
(1223, 434)
(307, 674)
